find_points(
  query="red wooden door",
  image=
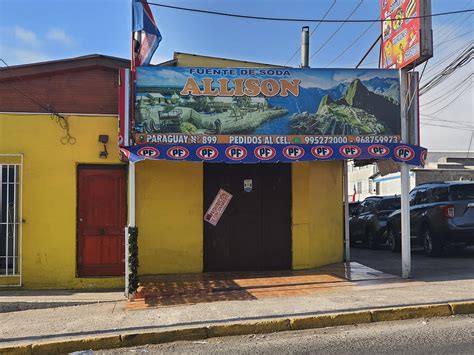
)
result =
(101, 219)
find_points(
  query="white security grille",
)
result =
(10, 222)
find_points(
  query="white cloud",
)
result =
(451, 127)
(163, 77)
(59, 35)
(157, 59)
(24, 56)
(172, 75)
(350, 75)
(25, 35)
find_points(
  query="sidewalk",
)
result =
(106, 314)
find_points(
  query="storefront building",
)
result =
(65, 194)
(292, 218)
(51, 117)
(71, 198)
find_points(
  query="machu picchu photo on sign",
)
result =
(263, 101)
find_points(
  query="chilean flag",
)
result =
(146, 35)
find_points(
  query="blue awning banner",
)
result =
(285, 153)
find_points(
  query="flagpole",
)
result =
(132, 86)
(131, 166)
(144, 26)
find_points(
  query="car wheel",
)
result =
(393, 241)
(431, 245)
(372, 241)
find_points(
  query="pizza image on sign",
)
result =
(406, 33)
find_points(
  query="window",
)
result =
(412, 197)
(370, 206)
(359, 187)
(360, 209)
(9, 218)
(389, 204)
(421, 197)
(462, 192)
(371, 186)
(439, 194)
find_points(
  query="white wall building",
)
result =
(440, 165)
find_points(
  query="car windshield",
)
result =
(462, 192)
(389, 204)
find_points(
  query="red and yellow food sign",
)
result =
(401, 32)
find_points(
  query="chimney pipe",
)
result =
(305, 47)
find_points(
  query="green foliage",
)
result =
(188, 128)
(132, 259)
(351, 91)
(326, 100)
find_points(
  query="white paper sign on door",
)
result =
(218, 206)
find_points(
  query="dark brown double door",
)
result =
(254, 232)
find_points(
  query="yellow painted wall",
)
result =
(49, 192)
(191, 60)
(170, 207)
(169, 199)
(169, 216)
(318, 221)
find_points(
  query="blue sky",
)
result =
(33, 30)
(38, 30)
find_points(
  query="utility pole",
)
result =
(405, 179)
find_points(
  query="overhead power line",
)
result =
(447, 92)
(458, 123)
(453, 38)
(462, 48)
(452, 101)
(314, 30)
(352, 44)
(460, 61)
(61, 120)
(370, 50)
(265, 18)
(337, 29)
(446, 126)
(452, 26)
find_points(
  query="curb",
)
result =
(262, 327)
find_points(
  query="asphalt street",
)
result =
(450, 335)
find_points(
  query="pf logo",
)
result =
(350, 151)
(236, 152)
(322, 151)
(404, 153)
(264, 152)
(148, 152)
(378, 150)
(178, 152)
(207, 153)
(293, 152)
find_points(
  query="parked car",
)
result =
(352, 207)
(441, 214)
(369, 221)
